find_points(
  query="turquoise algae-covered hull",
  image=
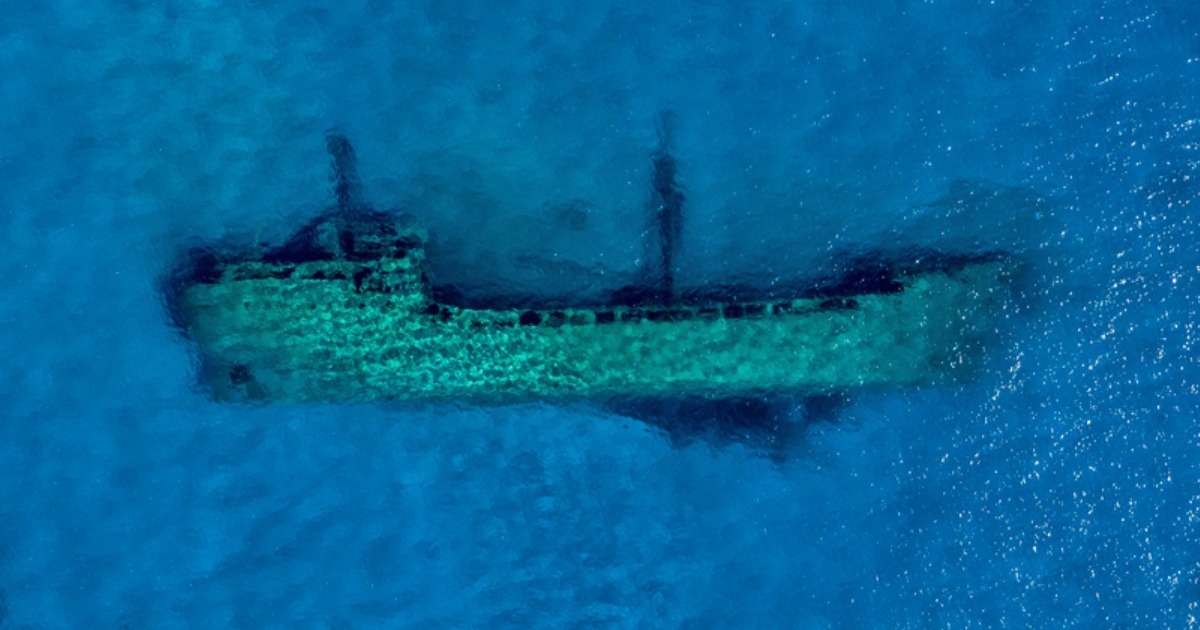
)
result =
(369, 329)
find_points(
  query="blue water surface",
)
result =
(1060, 490)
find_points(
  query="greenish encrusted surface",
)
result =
(339, 330)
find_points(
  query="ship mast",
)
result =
(666, 203)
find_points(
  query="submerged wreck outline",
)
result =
(345, 311)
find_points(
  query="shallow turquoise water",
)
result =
(1060, 490)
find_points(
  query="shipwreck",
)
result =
(346, 311)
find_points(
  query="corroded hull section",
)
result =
(365, 327)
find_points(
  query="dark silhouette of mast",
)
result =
(667, 205)
(346, 185)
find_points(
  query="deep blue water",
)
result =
(1062, 489)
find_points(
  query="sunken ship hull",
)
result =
(366, 327)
